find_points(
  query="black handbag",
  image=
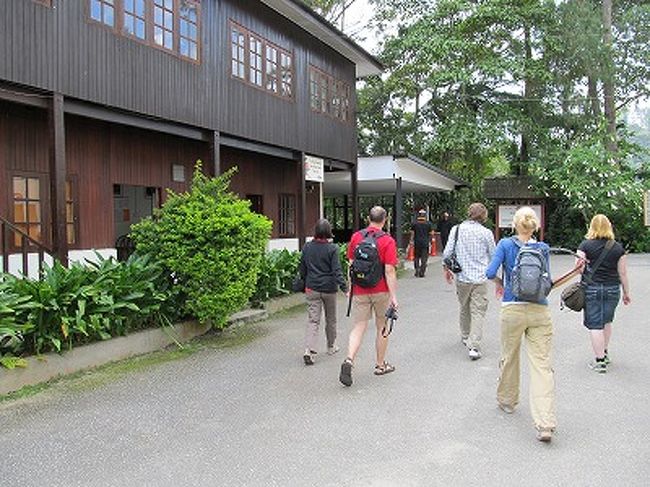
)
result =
(451, 262)
(573, 296)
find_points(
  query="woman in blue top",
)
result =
(524, 319)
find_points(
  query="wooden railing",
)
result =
(9, 231)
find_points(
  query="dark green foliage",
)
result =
(81, 304)
(278, 269)
(212, 243)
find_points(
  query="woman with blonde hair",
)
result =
(603, 276)
(520, 319)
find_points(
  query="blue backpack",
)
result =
(530, 278)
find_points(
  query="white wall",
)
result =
(16, 260)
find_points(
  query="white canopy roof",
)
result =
(379, 174)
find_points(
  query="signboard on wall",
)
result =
(314, 169)
(646, 208)
(506, 213)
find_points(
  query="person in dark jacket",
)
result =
(444, 226)
(421, 234)
(320, 267)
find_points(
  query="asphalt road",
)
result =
(255, 415)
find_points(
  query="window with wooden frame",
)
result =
(135, 21)
(71, 219)
(171, 25)
(257, 202)
(287, 215)
(261, 63)
(103, 11)
(189, 30)
(255, 60)
(238, 52)
(286, 75)
(329, 95)
(28, 196)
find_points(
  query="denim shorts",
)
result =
(600, 304)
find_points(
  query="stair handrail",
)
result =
(26, 241)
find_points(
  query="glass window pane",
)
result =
(194, 50)
(108, 16)
(184, 28)
(69, 212)
(169, 40)
(129, 26)
(34, 212)
(20, 212)
(128, 5)
(18, 239)
(169, 20)
(169, 4)
(35, 232)
(158, 15)
(20, 188)
(33, 188)
(158, 35)
(139, 29)
(184, 47)
(139, 8)
(193, 34)
(72, 238)
(96, 10)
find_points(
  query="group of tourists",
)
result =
(519, 266)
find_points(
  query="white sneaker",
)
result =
(332, 350)
(474, 354)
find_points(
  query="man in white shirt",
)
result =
(474, 247)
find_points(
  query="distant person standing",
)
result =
(320, 267)
(603, 278)
(374, 289)
(421, 233)
(474, 247)
(443, 227)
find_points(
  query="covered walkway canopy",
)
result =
(392, 175)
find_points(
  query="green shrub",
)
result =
(81, 304)
(212, 243)
(278, 268)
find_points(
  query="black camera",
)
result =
(391, 313)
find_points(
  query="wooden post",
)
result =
(355, 198)
(58, 178)
(215, 152)
(301, 215)
(399, 213)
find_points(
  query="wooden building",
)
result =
(106, 103)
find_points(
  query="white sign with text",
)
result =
(314, 169)
(506, 213)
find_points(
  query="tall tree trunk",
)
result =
(528, 95)
(594, 103)
(608, 79)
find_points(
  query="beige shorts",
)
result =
(365, 304)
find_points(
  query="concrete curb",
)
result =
(52, 365)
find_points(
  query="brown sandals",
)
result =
(385, 368)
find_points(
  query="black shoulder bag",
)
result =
(451, 262)
(573, 296)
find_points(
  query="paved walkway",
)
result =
(254, 415)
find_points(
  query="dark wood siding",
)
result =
(59, 49)
(99, 155)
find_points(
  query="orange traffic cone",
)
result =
(434, 247)
(410, 252)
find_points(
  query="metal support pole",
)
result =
(399, 213)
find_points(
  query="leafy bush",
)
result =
(212, 243)
(278, 268)
(80, 304)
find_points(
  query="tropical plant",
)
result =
(278, 268)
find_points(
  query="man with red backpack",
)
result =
(373, 260)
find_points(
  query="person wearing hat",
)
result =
(421, 234)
